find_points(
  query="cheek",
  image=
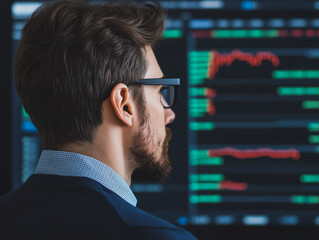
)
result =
(156, 113)
(158, 119)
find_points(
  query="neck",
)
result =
(109, 151)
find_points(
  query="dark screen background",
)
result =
(246, 135)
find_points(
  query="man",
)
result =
(89, 80)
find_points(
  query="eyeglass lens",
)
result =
(168, 96)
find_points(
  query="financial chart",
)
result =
(253, 100)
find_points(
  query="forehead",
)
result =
(153, 69)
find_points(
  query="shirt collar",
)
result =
(78, 165)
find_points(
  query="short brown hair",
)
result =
(72, 54)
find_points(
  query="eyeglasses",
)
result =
(168, 91)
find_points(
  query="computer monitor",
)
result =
(246, 135)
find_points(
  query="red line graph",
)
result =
(256, 153)
(218, 60)
(235, 186)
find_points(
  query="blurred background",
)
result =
(245, 147)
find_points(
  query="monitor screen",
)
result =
(246, 135)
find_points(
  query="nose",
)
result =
(169, 116)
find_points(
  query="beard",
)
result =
(150, 157)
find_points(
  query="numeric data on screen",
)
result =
(253, 101)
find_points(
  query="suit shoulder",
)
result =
(143, 225)
(8, 199)
(134, 217)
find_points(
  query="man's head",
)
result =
(74, 57)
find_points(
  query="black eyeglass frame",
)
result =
(162, 81)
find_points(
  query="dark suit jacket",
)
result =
(58, 207)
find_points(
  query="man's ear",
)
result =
(121, 103)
